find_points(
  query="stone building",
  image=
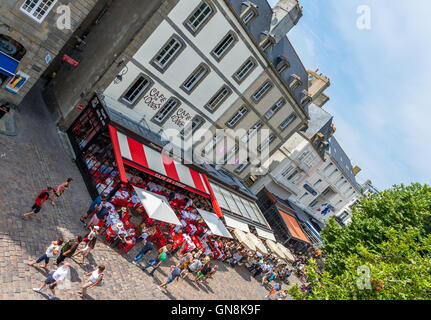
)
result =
(32, 33)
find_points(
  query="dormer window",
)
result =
(267, 43)
(249, 14)
(306, 98)
(295, 82)
(282, 65)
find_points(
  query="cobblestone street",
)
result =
(36, 159)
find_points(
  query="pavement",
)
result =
(32, 160)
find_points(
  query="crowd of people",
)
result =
(122, 222)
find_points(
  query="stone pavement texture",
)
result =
(35, 159)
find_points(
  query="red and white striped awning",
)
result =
(144, 158)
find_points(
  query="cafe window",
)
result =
(37, 9)
(168, 108)
(137, 89)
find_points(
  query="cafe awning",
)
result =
(157, 206)
(294, 227)
(258, 243)
(215, 224)
(8, 65)
(236, 224)
(286, 252)
(135, 154)
(265, 234)
(244, 240)
(275, 249)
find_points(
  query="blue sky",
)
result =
(380, 82)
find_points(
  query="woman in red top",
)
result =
(38, 203)
(58, 191)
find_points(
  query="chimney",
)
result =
(356, 170)
(286, 15)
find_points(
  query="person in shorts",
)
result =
(95, 206)
(175, 274)
(38, 203)
(53, 279)
(52, 252)
(59, 190)
(204, 272)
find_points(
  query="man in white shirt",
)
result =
(54, 278)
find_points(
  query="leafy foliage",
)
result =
(390, 235)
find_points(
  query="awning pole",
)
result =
(214, 202)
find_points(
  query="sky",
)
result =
(380, 82)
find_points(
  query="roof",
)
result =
(293, 226)
(320, 121)
(338, 155)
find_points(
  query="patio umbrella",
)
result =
(275, 249)
(214, 223)
(244, 240)
(157, 206)
(286, 252)
(256, 241)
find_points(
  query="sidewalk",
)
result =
(8, 124)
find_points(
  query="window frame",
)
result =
(154, 62)
(282, 64)
(268, 39)
(243, 114)
(36, 6)
(133, 104)
(207, 71)
(220, 102)
(219, 58)
(247, 74)
(178, 103)
(183, 131)
(269, 88)
(252, 131)
(290, 122)
(195, 30)
(279, 104)
(267, 143)
(246, 12)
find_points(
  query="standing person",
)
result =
(194, 266)
(175, 274)
(38, 203)
(53, 279)
(52, 252)
(95, 206)
(58, 191)
(148, 246)
(203, 272)
(156, 262)
(86, 250)
(101, 215)
(274, 289)
(68, 249)
(95, 277)
(4, 109)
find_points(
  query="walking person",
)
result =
(38, 203)
(86, 250)
(175, 274)
(4, 109)
(156, 262)
(52, 252)
(54, 278)
(95, 206)
(58, 191)
(148, 246)
(94, 278)
(68, 249)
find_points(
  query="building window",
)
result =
(231, 153)
(210, 145)
(237, 117)
(195, 78)
(249, 15)
(166, 111)
(292, 175)
(333, 173)
(313, 203)
(295, 82)
(282, 66)
(242, 167)
(302, 156)
(306, 100)
(38, 9)
(267, 43)
(288, 170)
(350, 188)
(328, 167)
(138, 88)
(252, 132)
(275, 108)
(200, 17)
(317, 183)
(247, 67)
(288, 121)
(218, 99)
(268, 141)
(169, 52)
(192, 126)
(260, 93)
(303, 196)
(224, 46)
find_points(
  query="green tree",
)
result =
(389, 240)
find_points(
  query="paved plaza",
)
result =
(35, 159)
